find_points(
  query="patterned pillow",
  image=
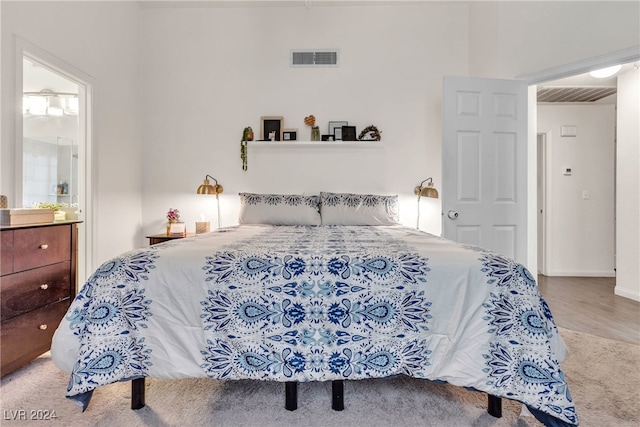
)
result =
(279, 209)
(358, 209)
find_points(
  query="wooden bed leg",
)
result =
(337, 395)
(494, 406)
(137, 393)
(290, 395)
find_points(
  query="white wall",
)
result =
(101, 40)
(205, 73)
(216, 79)
(212, 71)
(514, 38)
(628, 187)
(580, 233)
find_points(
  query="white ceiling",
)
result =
(275, 3)
(583, 88)
(36, 78)
(583, 80)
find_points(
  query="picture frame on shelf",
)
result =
(327, 138)
(289, 135)
(349, 133)
(271, 128)
(335, 129)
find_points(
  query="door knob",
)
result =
(452, 214)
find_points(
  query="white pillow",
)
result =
(279, 209)
(358, 209)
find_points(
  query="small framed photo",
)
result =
(271, 128)
(289, 134)
(349, 133)
(335, 129)
(327, 137)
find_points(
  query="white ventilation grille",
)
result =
(314, 58)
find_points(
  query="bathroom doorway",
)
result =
(53, 142)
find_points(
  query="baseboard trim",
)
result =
(626, 294)
(595, 273)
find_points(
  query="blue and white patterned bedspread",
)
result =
(316, 303)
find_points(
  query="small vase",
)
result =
(169, 228)
(315, 133)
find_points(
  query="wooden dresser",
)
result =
(38, 283)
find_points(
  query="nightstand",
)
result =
(162, 237)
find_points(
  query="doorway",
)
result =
(542, 208)
(588, 189)
(53, 141)
(50, 138)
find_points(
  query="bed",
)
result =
(317, 288)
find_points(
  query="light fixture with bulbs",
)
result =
(603, 73)
(56, 106)
(47, 102)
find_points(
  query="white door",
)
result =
(484, 152)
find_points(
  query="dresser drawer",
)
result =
(39, 246)
(32, 289)
(6, 252)
(28, 336)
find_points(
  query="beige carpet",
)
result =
(603, 375)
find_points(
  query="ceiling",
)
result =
(35, 78)
(582, 88)
(274, 3)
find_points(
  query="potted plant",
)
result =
(247, 135)
(58, 213)
(173, 216)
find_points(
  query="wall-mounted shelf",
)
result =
(321, 144)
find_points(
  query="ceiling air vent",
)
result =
(314, 58)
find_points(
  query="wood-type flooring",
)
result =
(588, 304)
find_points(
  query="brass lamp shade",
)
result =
(428, 191)
(207, 188)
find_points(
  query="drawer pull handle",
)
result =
(43, 327)
(44, 246)
(44, 286)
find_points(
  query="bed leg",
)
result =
(337, 395)
(494, 407)
(290, 395)
(137, 393)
